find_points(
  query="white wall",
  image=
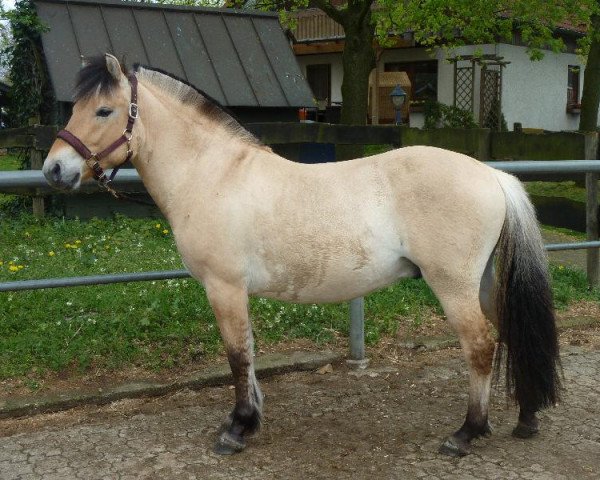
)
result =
(337, 72)
(533, 93)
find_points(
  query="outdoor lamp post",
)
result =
(398, 96)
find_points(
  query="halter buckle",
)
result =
(133, 110)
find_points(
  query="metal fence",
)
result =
(591, 168)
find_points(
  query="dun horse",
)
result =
(248, 222)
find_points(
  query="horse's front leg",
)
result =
(230, 305)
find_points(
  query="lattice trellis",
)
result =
(490, 105)
(463, 87)
(490, 88)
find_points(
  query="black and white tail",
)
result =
(524, 306)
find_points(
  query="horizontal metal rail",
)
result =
(35, 178)
(553, 247)
(92, 280)
(172, 274)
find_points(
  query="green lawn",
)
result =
(162, 323)
(9, 162)
(568, 190)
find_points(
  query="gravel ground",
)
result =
(385, 422)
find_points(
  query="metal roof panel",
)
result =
(255, 62)
(89, 29)
(158, 42)
(60, 38)
(124, 35)
(226, 61)
(240, 58)
(197, 63)
(276, 46)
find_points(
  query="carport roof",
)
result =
(240, 58)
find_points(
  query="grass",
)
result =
(569, 190)
(163, 323)
(8, 162)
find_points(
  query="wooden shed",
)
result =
(241, 58)
(382, 108)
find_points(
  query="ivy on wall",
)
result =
(30, 94)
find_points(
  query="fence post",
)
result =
(37, 162)
(591, 186)
(357, 333)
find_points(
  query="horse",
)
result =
(248, 222)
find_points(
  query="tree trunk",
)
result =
(590, 97)
(358, 59)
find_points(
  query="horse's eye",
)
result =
(103, 112)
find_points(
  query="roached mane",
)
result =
(94, 78)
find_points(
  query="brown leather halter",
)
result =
(93, 159)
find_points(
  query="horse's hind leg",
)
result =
(230, 305)
(461, 303)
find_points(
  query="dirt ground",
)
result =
(385, 422)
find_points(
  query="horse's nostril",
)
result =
(56, 172)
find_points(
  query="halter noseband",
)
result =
(93, 159)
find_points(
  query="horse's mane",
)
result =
(94, 78)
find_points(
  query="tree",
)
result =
(590, 98)
(30, 93)
(456, 22)
(451, 23)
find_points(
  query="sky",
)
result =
(8, 4)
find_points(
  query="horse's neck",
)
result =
(180, 152)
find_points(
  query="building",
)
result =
(542, 94)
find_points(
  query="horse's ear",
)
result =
(113, 66)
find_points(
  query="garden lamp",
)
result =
(398, 96)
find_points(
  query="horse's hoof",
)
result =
(522, 430)
(228, 444)
(454, 448)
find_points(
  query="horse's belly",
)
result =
(339, 283)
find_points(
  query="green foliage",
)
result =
(30, 93)
(445, 116)
(456, 22)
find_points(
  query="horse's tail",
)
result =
(524, 306)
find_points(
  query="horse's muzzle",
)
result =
(60, 177)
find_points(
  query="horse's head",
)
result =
(95, 135)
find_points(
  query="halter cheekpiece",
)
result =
(93, 159)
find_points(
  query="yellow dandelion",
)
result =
(77, 242)
(13, 268)
(1, 263)
(20, 267)
(51, 253)
(11, 263)
(157, 225)
(67, 245)
(165, 231)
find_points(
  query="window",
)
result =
(573, 88)
(319, 79)
(423, 79)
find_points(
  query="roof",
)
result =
(240, 58)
